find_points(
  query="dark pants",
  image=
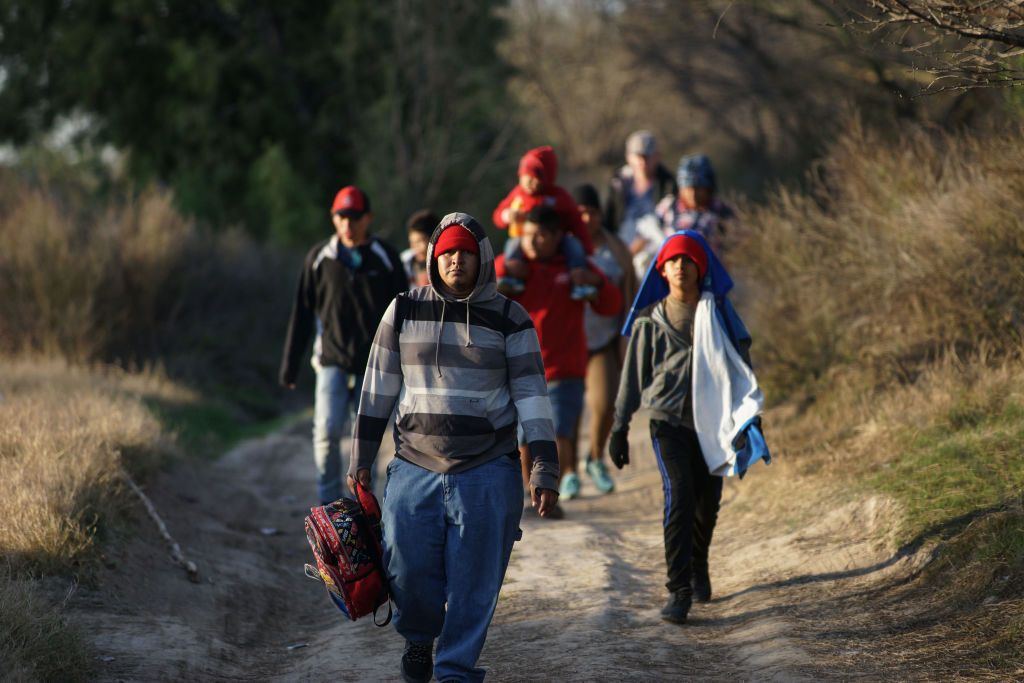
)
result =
(692, 496)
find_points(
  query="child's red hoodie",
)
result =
(557, 317)
(542, 164)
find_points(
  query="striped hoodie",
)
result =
(463, 373)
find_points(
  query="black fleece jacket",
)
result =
(348, 296)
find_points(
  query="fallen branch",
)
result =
(176, 554)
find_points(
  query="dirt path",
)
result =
(580, 602)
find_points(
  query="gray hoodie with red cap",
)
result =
(462, 372)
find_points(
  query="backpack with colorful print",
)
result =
(346, 540)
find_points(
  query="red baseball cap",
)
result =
(454, 237)
(350, 201)
(681, 245)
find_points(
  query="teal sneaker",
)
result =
(599, 475)
(570, 487)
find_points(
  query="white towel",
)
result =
(725, 392)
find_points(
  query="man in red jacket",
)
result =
(558, 319)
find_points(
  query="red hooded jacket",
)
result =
(558, 317)
(542, 163)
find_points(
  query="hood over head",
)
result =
(654, 288)
(695, 170)
(541, 163)
(486, 287)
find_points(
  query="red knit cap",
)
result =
(684, 246)
(454, 237)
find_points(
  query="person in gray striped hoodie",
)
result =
(463, 365)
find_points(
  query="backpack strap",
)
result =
(371, 513)
(401, 311)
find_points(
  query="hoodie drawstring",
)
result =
(437, 346)
(440, 327)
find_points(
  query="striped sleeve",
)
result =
(529, 392)
(382, 384)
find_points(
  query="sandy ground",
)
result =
(580, 602)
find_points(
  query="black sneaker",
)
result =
(418, 662)
(677, 607)
(701, 584)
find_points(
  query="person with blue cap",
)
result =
(688, 363)
(695, 205)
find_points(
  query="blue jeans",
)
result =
(447, 539)
(332, 410)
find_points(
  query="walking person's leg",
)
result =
(566, 396)
(708, 497)
(483, 507)
(331, 419)
(602, 384)
(672, 448)
(414, 541)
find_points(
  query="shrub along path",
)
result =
(800, 580)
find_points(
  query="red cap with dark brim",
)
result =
(456, 237)
(681, 245)
(350, 201)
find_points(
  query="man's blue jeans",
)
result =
(332, 412)
(447, 540)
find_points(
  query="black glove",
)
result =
(618, 448)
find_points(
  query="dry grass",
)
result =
(65, 432)
(127, 280)
(898, 251)
(887, 304)
(35, 644)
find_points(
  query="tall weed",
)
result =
(65, 434)
(130, 281)
(899, 251)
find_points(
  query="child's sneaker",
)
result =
(511, 286)
(584, 293)
(570, 486)
(599, 475)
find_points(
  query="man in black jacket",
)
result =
(346, 284)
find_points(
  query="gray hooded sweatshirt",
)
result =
(462, 372)
(656, 371)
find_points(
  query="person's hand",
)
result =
(511, 216)
(543, 500)
(585, 276)
(516, 268)
(363, 476)
(618, 448)
(290, 386)
(638, 245)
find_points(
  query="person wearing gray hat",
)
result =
(635, 189)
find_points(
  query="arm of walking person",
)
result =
(609, 298)
(300, 326)
(529, 392)
(382, 384)
(628, 287)
(500, 218)
(636, 374)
